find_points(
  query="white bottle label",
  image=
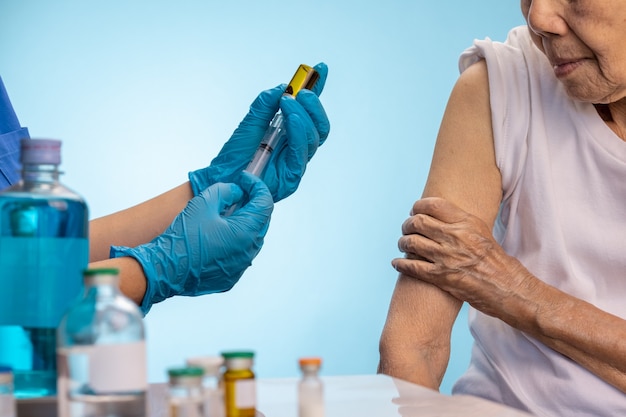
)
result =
(109, 368)
(310, 399)
(245, 393)
(118, 367)
(7, 405)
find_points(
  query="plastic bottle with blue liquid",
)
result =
(43, 251)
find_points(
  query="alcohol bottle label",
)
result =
(40, 279)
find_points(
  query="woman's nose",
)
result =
(546, 18)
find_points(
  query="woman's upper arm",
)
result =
(463, 168)
(416, 338)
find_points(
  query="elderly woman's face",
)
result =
(585, 41)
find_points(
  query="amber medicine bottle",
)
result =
(239, 384)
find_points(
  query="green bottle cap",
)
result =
(191, 371)
(244, 354)
(101, 271)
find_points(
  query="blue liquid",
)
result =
(43, 252)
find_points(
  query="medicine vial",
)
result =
(102, 352)
(310, 388)
(239, 384)
(213, 392)
(43, 251)
(7, 399)
(185, 392)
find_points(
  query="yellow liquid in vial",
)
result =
(240, 393)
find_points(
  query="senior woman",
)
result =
(523, 218)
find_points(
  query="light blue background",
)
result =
(141, 92)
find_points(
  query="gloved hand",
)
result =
(307, 128)
(202, 252)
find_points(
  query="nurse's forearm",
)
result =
(138, 224)
(132, 278)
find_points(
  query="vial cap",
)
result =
(238, 360)
(238, 354)
(210, 364)
(187, 376)
(313, 360)
(101, 276)
(40, 151)
(101, 271)
(189, 371)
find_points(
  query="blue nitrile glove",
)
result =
(10, 134)
(203, 252)
(307, 128)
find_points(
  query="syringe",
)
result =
(305, 77)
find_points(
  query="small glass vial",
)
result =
(310, 389)
(185, 392)
(239, 384)
(102, 352)
(7, 400)
(213, 392)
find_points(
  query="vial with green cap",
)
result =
(102, 353)
(185, 392)
(239, 384)
(213, 392)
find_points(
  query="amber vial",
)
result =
(239, 384)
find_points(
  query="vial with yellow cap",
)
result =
(239, 384)
(310, 388)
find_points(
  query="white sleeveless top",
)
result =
(563, 215)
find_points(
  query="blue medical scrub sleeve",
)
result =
(10, 134)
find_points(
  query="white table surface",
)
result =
(375, 396)
(344, 396)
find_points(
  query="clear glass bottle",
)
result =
(7, 399)
(43, 251)
(239, 384)
(213, 392)
(185, 392)
(102, 353)
(310, 388)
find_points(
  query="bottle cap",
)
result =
(188, 376)
(313, 360)
(101, 276)
(238, 360)
(101, 271)
(238, 354)
(210, 364)
(40, 151)
(191, 371)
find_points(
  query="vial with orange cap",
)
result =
(310, 388)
